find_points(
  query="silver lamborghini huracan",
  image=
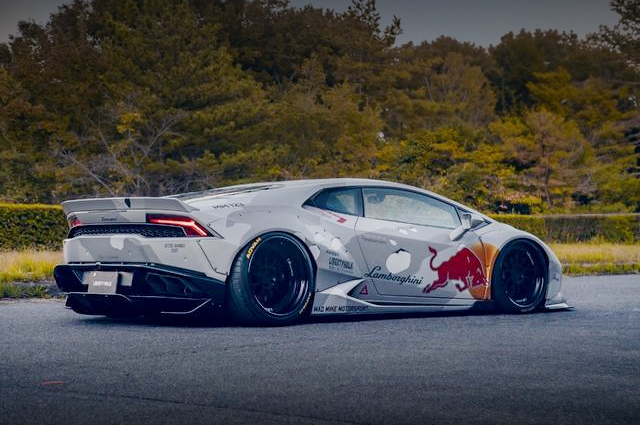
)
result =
(269, 253)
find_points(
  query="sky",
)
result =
(481, 22)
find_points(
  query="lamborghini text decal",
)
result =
(375, 274)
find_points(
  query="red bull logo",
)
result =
(463, 266)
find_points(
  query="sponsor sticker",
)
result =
(230, 205)
(340, 264)
(253, 246)
(340, 308)
(339, 218)
(174, 247)
(463, 266)
(306, 303)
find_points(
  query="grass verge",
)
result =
(21, 290)
(27, 274)
(28, 265)
(602, 258)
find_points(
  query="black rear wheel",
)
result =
(519, 279)
(271, 281)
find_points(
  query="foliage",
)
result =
(446, 160)
(550, 153)
(155, 97)
(431, 92)
(624, 36)
(31, 226)
(571, 228)
(533, 224)
(195, 101)
(622, 228)
(22, 290)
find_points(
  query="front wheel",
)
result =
(520, 277)
(271, 281)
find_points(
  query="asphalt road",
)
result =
(572, 367)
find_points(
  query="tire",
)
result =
(520, 277)
(271, 282)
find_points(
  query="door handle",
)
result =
(374, 238)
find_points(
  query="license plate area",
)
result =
(101, 282)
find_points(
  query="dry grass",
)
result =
(603, 258)
(28, 265)
(597, 253)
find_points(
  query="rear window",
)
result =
(343, 200)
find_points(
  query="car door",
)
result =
(406, 240)
(334, 245)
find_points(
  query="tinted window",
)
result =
(338, 200)
(408, 207)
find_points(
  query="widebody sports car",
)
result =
(269, 253)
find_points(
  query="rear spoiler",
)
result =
(125, 204)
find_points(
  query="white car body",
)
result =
(362, 263)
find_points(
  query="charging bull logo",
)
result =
(463, 266)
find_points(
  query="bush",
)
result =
(530, 223)
(32, 227)
(567, 228)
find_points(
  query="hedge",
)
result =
(33, 226)
(567, 228)
(44, 227)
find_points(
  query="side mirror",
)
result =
(469, 221)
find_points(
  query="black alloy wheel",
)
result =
(272, 281)
(520, 277)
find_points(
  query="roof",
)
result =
(289, 193)
(287, 184)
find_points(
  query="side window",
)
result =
(343, 201)
(408, 207)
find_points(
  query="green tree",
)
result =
(362, 46)
(550, 155)
(455, 161)
(519, 57)
(436, 92)
(327, 129)
(624, 37)
(272, 40)
(616, 173)
(59, 64)
(591, 103)
(153, 97)
(172, 94)
(269, 38)
(24, 175)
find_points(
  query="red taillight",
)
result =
(73, 222)
(190, 226)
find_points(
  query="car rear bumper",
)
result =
(141, 289)
(129, 305)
